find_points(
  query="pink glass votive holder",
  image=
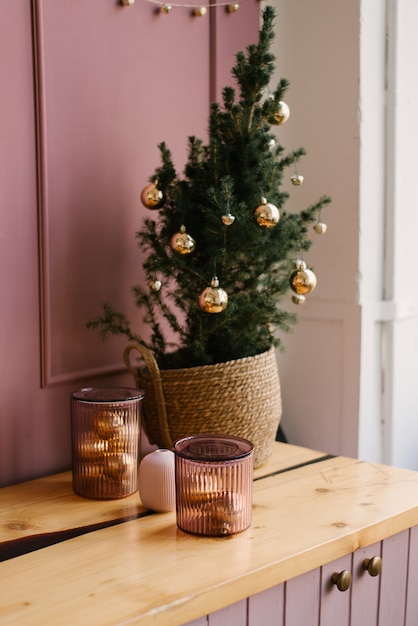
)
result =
(214, 479)
(105, 433)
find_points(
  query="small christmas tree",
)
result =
(222, 250)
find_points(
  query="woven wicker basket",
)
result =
(240, 397)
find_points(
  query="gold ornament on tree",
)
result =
(152, 197)
(267, 214)
(155, 285)
(320, 228)
(302, 281)
(228, 219)
(298, 298)
(213, 299)
(182, 242)
(281, 115)
(297, 179)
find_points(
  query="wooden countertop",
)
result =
(69, 560)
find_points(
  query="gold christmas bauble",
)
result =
(213, 299)
(91, 448)
(281, 115)
(152, 197)
(92, 470)
(119, 466)
(297, 299)
(266, 214)
(122, 444)
(302, 280)
(182, 242)
(320, 228)
(108, 424)
(297, 179)
(155, 285)
(228, 219)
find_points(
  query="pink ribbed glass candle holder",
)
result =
(214, 478)
(105, 428)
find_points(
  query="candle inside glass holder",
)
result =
(105, 425)
(214, 476)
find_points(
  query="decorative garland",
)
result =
(198, 11)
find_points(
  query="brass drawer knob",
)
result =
(342, 580)
(373, 566)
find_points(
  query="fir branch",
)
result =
(112, 322)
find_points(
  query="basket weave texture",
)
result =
(240, 398)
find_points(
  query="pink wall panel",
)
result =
(244, 24)
(88, 91)
(110, 95)
(19, 312)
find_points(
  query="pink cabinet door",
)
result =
(302, 599)
(333, 601)
(234, 615)
(411, 618)
(312, 599)
(366, 588)
(394, 580)
(267, 607)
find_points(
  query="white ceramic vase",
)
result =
(156, 481)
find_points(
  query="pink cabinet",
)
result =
(387, 598)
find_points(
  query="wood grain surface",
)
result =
(146, 571)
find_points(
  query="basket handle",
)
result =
(157, 384)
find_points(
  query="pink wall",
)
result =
(88, 91)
